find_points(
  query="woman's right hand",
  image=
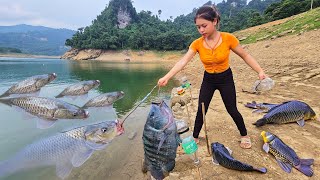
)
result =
(162, 81)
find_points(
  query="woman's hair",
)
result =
(208, 13)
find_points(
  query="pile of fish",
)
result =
(67, 149)
(286, 112)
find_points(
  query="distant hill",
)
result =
(37, 40)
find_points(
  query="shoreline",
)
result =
(28, 56)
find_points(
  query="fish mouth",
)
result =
(119, 127)
(86, 114)
(53, 76)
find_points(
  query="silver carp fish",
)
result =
(291, 111)
(260, 107)
(47, 110)
(30, 85)
(64, 150)
(160, 140)
(286, 157)
(222, 156)
(80, 88)
(106, 99)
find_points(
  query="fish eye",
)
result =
(74, 114)
(104, 129)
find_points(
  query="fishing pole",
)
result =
(139, 103)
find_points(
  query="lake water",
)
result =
(134, 79)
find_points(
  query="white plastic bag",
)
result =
(263, 85)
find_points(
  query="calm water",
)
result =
(18, 130)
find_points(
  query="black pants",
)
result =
(225, 84)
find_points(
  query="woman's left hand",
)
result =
(262, 75)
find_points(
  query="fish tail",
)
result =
(58, 96)
(307, 162)
(260, 122)
(157, 174)
(252, 105)
(262, 170)
(305, 169)
(5, 101)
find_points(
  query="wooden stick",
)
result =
(191, 96)
(188, 115)
(205, 128)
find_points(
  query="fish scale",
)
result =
(287, 112)
(279, 150)
(160, 127)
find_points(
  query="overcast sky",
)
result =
(73, 14)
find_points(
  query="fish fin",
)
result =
(252, 105)
(285, 166)
(59, 96)
(83, 97)
(260, 122)
(301, 122)
(44, 124)
(81, 156)
(262, 170)
(215, 162)
(37, 93)
(163, 138)
(305, 169)
(96, 146)
(63, 168)
(266, 147)
(307, 162)
(257, 111)
(5, 94)
(229, 150)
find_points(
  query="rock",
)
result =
(132, 135)
(181, 99)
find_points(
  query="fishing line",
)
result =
(139, 104)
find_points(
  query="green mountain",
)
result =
(119, 26)
(37, 40)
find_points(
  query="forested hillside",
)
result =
(119, 26)
(36, 40)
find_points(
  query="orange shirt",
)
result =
(217, 60)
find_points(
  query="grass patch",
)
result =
(303, 22)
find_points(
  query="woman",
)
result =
(214, 49)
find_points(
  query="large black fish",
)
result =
(291, 111)
(160, 140)
(222, 156)
(285, 156)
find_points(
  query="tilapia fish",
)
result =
(79, 88)
(260, 107)
(106, 99)
(222, 156)
(291, 111)
(47, 110)
(160, 140)
(65, 150)
(30, 85)
(285, 156)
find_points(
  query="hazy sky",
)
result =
(73, 14)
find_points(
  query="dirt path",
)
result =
(293, 62)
